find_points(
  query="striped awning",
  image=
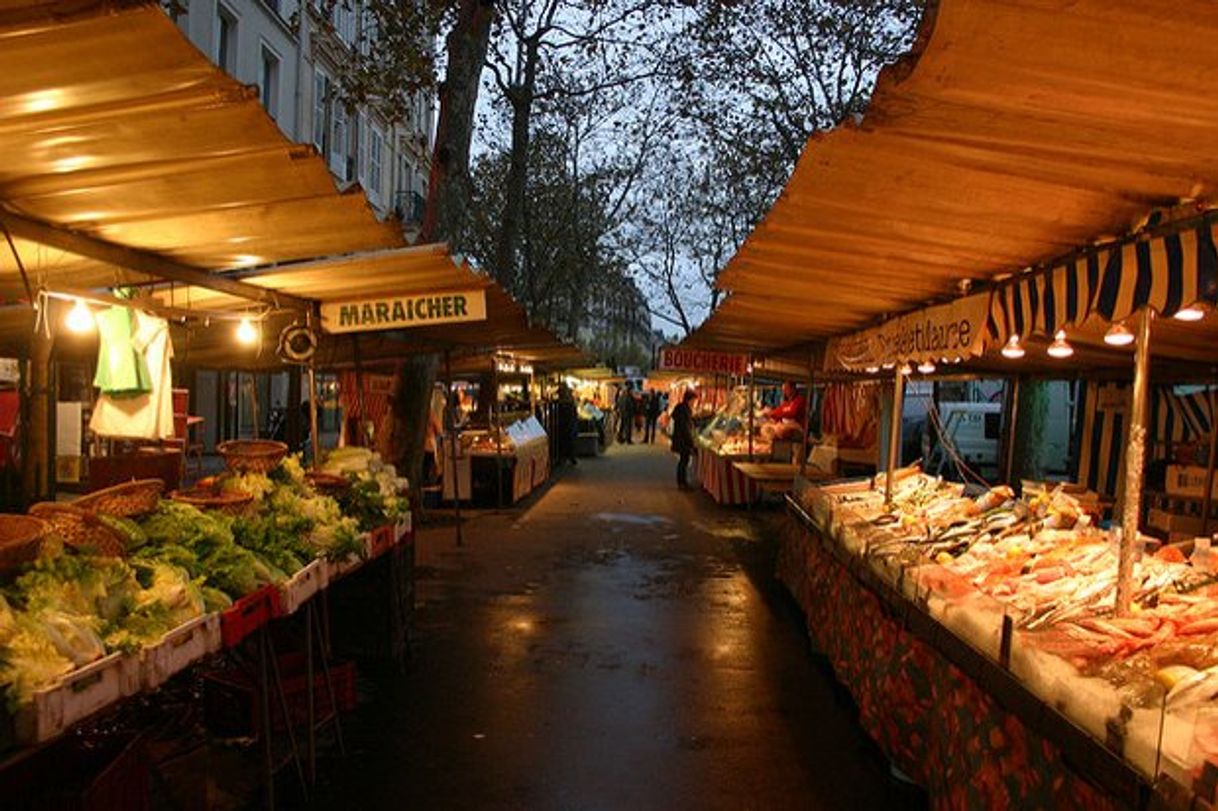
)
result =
(1165, 273)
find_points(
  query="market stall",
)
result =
(1005, 217)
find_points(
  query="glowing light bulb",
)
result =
(247, 333)
(1012, 349)
(905, 369)
(1190, 313)
(80, 318)
(926, 367)
(889, 365)
(872, 370)
(1060, 348)
(1118, 335)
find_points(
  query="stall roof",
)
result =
(1015, 132)
(116, 128)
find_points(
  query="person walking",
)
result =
(683, 436)
(653, 415)
(625, 416)
(566, 424)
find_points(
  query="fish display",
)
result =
(1044, 563)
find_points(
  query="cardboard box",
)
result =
(1174, 524)
(1188, 480)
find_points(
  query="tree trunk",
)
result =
(507, 247)
(446, 215)
(448, 190)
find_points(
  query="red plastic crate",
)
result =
(230, 697)
(248, 614)
(380, 541)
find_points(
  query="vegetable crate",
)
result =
(301, 587)
(380, 541)
(110, 773)
(248, 614)
(77, 696)
(232, 709)
(337, 569)
(179, 649)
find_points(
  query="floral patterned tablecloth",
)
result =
(934, 722)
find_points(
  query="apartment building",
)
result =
(293, 52)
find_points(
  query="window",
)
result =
(321, 96)
(344, 21)
(268, 82)
(375, 148)
(361, 135)
(338, 141)
(226, 39)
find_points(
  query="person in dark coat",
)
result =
(625, 416)
(683, 436)
(652, 410)
(566, 424)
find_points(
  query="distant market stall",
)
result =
(997, 213)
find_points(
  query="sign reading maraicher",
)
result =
(699, 362)
(403, 312)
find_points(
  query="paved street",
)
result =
(617, 645)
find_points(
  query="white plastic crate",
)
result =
(179, 649)
(78, 695)
(336, 570)
(402, 528)
(302, 586)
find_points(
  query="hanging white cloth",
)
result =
(145, 416)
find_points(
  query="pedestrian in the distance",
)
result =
(625, 416)
(683, 436)
(653, 416)
(566, 424)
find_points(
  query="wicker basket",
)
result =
(231, 501)
(329, 484)
(20, 538)
(138, 497)
(79, 528)
(252, 455)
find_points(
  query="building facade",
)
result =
(293, 54)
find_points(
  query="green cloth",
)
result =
(122, 369)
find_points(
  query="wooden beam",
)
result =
(141, 261)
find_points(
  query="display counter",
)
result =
(513, 462)
(977, 638)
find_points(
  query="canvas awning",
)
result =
(1016, 133)
(119, 136)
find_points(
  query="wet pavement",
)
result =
(616, 645)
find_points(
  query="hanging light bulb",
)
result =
(80, 318)
(926, 367)
(872, 370)
(1060, 348)
(1118, 335)
(906, 369)
(890, 365)
(1193, 312)
(1012, 349)
(246, 332)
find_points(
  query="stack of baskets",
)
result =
(20, 538)
(78, 523)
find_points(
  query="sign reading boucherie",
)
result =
(403, 312)
(675, 359)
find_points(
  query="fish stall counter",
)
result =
(977, 636)
(725, 440)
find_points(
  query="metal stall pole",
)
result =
(1008, 461)
(1135, 463)
(894, 430)
(498, 433)
(752, 384)
(1208, 498)
(314, 436)
(803, 446)
(450, 418)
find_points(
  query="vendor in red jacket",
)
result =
(793, 406)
